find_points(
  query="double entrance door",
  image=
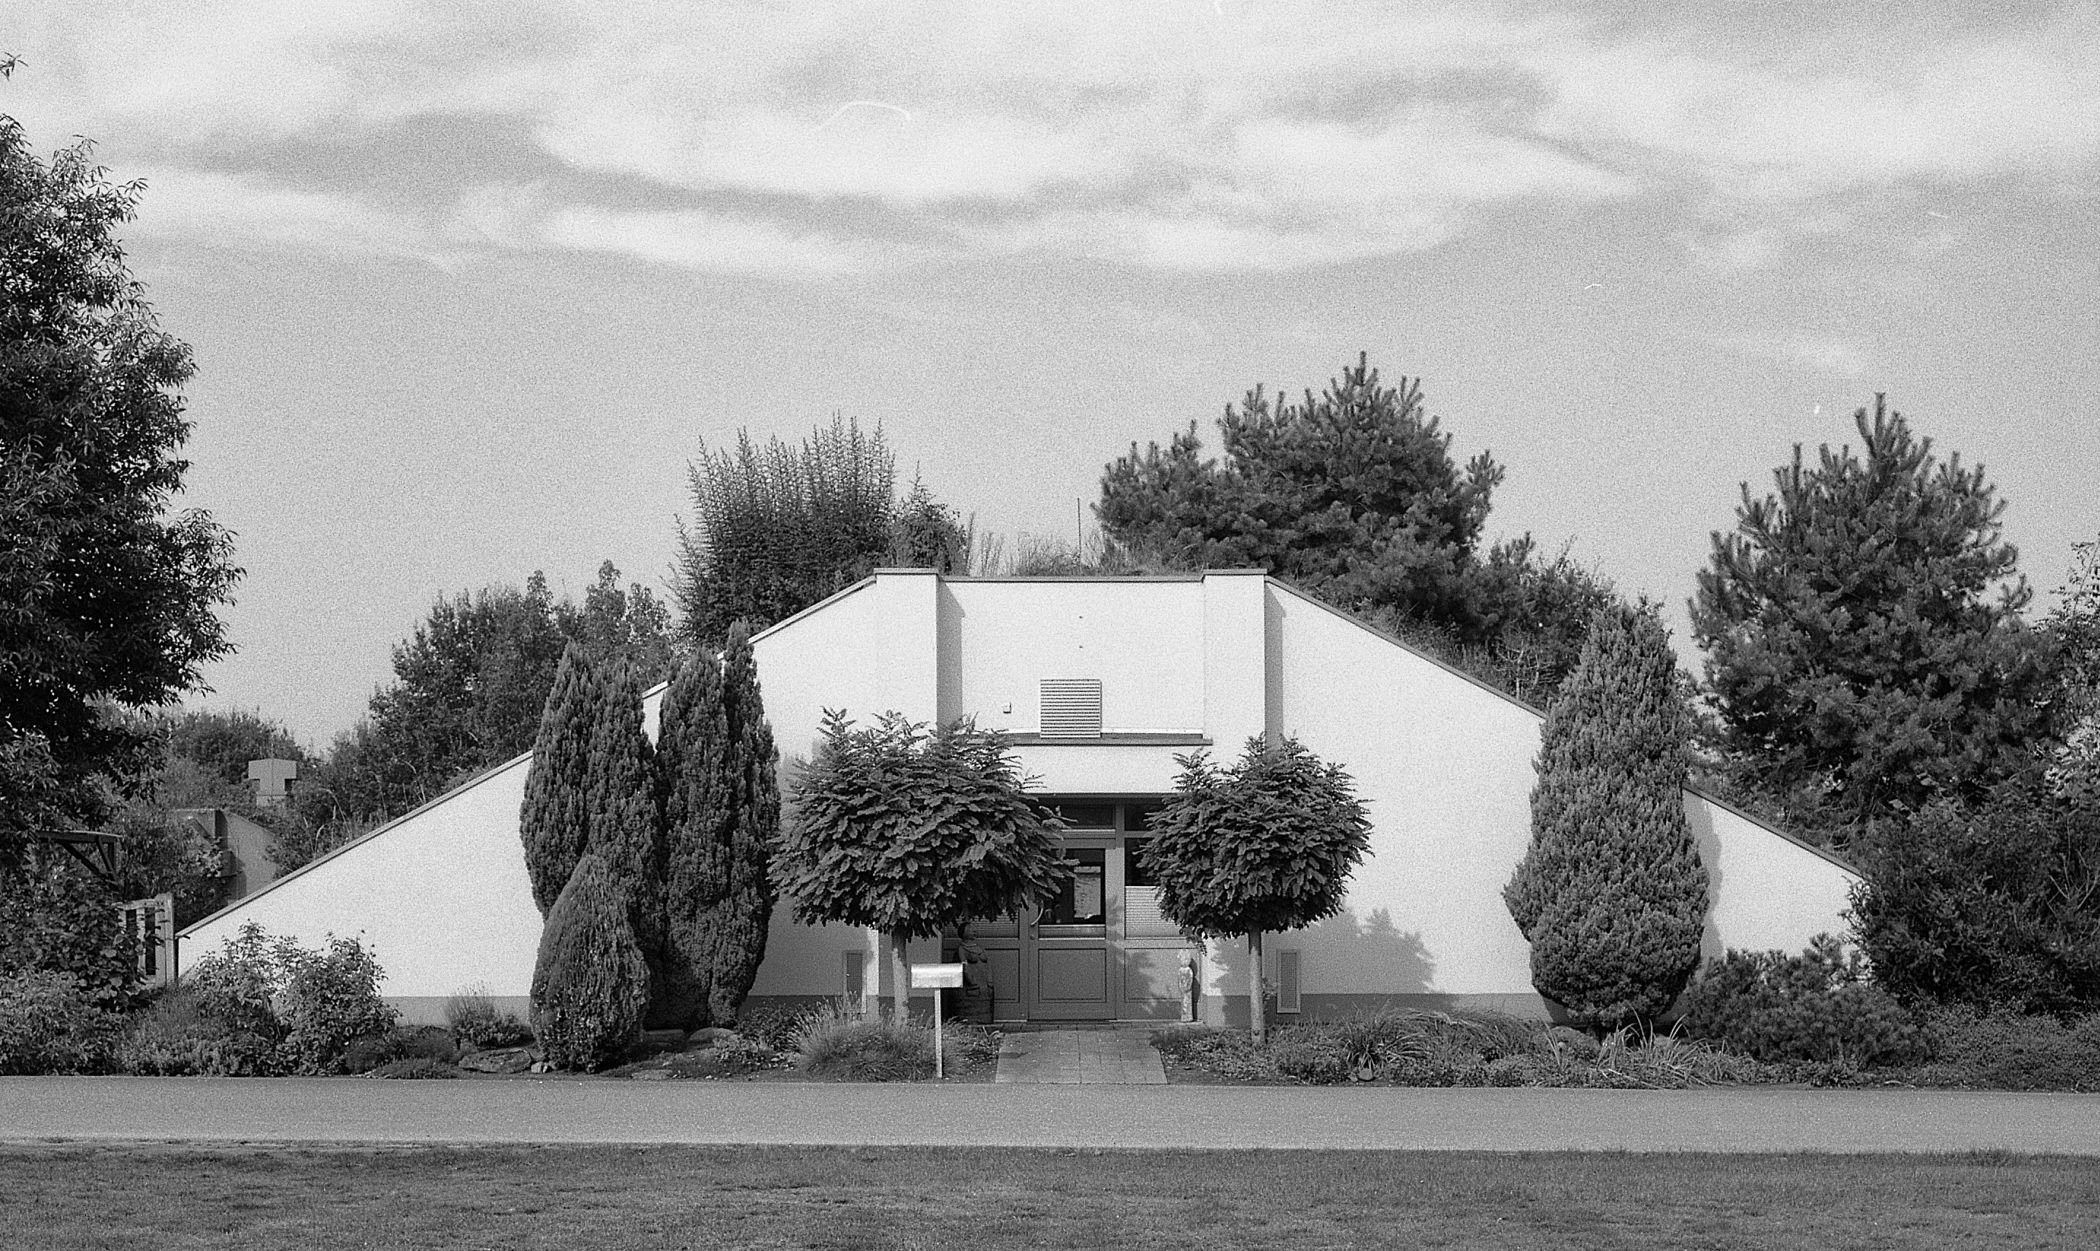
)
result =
(1099, 951)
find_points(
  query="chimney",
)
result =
(273, 780)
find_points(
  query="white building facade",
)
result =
(1099, 683)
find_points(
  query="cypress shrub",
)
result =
(1611, 894)
(753, 832)
(626, 825)
(692, 752)
(554, 821)
(590, 986)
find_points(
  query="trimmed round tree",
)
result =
(907, 830)
(1263, 846)
(590, 987)
(1612, 894)
(554, 821)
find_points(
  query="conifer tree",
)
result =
(753, 832)
(554, 821)
(1612, 894)
(692, 760)
(620, 793)
(1863, 636)
(590, 984)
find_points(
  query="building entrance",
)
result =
(1100, 951)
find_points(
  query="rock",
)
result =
(712, 1036)
(651, 1075)
(500, 1060)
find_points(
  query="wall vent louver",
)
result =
(1071, 707)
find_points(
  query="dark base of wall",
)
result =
(1230, 1011)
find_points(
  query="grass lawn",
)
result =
(58, 1198)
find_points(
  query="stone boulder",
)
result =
(498, 1060)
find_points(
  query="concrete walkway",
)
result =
(1080, 1057)
(555, 1110)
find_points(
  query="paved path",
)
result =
(552, 1110)
(1080, 1057)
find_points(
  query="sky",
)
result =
(470, 284)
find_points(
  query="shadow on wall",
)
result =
(1699, 818)
(1347, 954)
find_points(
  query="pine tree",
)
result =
(753, 832)
(1612, 894)
(1863, 636)
(590, 984)
(554, 821)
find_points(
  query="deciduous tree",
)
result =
(1612, 894)
(906, 830)
(1264, 845)
(108, 594)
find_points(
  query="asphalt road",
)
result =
(554, 1110)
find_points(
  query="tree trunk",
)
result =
(1257, 992)
(900, 980)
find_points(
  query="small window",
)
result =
(1088, 816)
(1135, 872)
(1139, 816)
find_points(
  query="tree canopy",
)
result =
(108, 594)
(1354, 495)
(1611, 894)
(1264, 845)
(1863, 635)
(906, 829)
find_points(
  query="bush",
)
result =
(283, 1007)
(1817, 1007)
(416, 1067)
(842, 1046)
(590, 986)
(47, 1025)
(172, 1037)
(422, 1042)
(2005, 1050)
(774, 1028)
(479, 1024)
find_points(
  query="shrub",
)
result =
(47, 1025)
(416, 1067)
(590, 986)
(173, 1037)
(775, 1028)
(478, 1023)
(2005, 1050)
(842, 1046)
(420, 1042)
(1816, 1007)
(270, 995)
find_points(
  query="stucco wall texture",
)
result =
(1444, 763)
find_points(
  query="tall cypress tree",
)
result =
(692, 749)
(555, 819)
(752, 830)
(626, 825)
(721, 820)
(1612, 894)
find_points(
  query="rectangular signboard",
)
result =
(936, 975)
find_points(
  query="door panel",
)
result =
(1072, 977)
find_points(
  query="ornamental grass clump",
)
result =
(840, 1044)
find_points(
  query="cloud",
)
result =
(1835, 355)
(1177, 133)
(250, 209)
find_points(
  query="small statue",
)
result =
(1186, 978)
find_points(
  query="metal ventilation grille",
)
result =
(1072, 707)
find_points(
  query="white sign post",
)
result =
(937, 976)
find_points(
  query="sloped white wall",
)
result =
(1445, 767)
(1767, 891)
(440, 897)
